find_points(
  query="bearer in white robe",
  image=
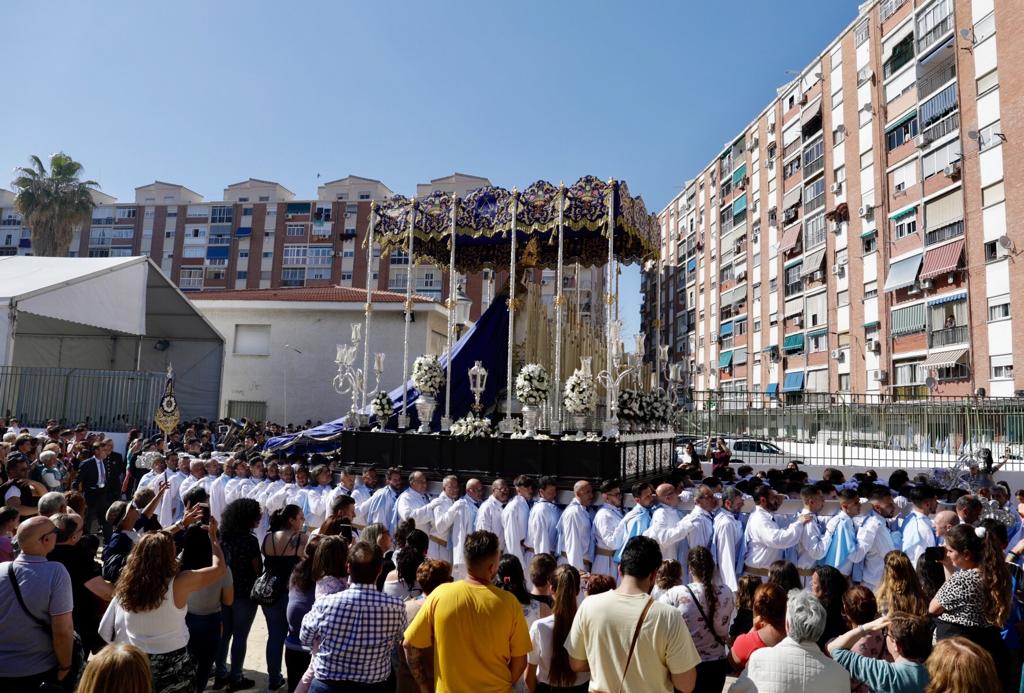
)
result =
(440, 547)
(670, 526)
(728, 545)
(577, 529)
(416, 504)
(608, 528)
(382, 506)
(458, 522)
(544, 530)
(515, 518)
(489, 515)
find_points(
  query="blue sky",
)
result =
(209, 93)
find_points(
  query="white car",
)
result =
(758, 452)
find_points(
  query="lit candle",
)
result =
(663, 352)
(585, 366)
(340, 358)
(654, 381)
(378, 362)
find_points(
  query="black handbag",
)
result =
(77, 651)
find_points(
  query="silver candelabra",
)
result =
(352, 380)
(611, 379)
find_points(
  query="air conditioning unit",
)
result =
(838, 270)
(926, 283)
(951, 171)
(915, 288)
(740, 276)
(878, 375)
(818, 275)
(864, 74)
(874, 346)
(922, 141)
(837, 188)
(837, 354)
(837, 227)
(865, 211)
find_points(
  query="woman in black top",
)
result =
(242, 554)
(282, 549)
(87, 585)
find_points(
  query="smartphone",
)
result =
(935, 553)
(206, 513)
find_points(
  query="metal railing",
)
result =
(816, 202)
(942, 128)
(103, 400)
(934, 34)
(944, 233)
(930, 82)
(947, 336)
(889, 8)
(910, 430)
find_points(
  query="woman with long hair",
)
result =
(150, 603)
(974, 602)
(401, 581)
(900, 589)
(829, 586)
(511, 579)
(957, 665)
(206, 605)
(785, 575)
(669, 575)
(769, 625)
(547, 666)
(239, 521)
(707, 608)
(301, 594)
(118, 667)
(282, 550)
(330, 573)
(860, 608)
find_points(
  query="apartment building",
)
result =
(858, 235)
(259, 236)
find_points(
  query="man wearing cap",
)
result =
(92, 478)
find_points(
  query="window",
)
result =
(902, 53)
(844, 382)
(814, 232)
(268, 254)
(990, 136)
(988, 82)
(296, 230)
(905, 227)
(839, 174)
(242, 254)
(293, 277)
(904, 176)
(902, 133)
(242, 275)
(994, 251)
(839, 134)
(958, 371)
(862, 32)
(818, 342)
(347, 276)
(841, 256)
(757, 324)
(814, 195)
(319, 255)
(937, 160)
(399, 257)
(193, 251)
(791, 168)
(191, 279)
(908, 373)
(1001, 366)
(867, 159)
(843, 298)
(999, 307)
(348, 252)
(933, 23)
(126, 212)
(364, 196)
(870, 244)
(318, 273)
(295, 255)
(252, 340)
(993, 194)
(221, 215)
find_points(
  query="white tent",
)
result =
(108, 315)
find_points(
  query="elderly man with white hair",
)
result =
(52, 503)
(457, 522)
(577, 528)
(796, 663)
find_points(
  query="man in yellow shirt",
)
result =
(478, 631)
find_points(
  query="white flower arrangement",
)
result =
(471, 426)
(381, 407)
(630, 405)
(532, 384)
(580, 394)
(660, 409)
(427, 375)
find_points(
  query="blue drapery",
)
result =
(486, 341)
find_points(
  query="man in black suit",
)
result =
(93, 479)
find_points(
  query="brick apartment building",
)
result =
(258, 236)
(858, 235)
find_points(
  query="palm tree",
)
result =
(53, 203)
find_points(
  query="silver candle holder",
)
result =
(350, 380)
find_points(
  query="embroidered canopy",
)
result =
(483, 224)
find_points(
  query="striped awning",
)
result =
(793, 342)
(794, 382)
(904, 212)
(948, 298)
(789, 239)
(944, 359)
(792, 198)
(739, 205)
(903, 273)
(908, 320)
(945, 258)
(739, 174)
(811, 113)
(812, 262)
(725, 359)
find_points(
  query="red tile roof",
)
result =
(332, 294)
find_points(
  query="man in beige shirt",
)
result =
(663, 657)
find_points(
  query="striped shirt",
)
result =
(358, 629)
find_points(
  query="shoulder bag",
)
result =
(269, 587)
(700, 610)
(632, 645)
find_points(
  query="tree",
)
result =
(53, 203)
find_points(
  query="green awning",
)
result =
(770, 347)
(793, 263)
(793, 342)
(739, 205)
(725, 359)
(900, 121)
(739, 174)
(873, 323)
(869, 233)
(906, 211)
(908, 320)
(817, 333)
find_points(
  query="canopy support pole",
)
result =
(368, 309)
(657, 327)
(609, 302)
(403, 420)
(446, 420)
(556, 405)
(506, 423)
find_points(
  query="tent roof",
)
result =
(332, 294)
(125, 295)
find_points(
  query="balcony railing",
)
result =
(791, 148)
(944, 233)
(930, 82)
(814, 203)
(813, 167)
(943, 127)
(934, 34)
(889, 8)
(10, 221)
(947, 336)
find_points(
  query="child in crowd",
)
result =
(8, 526)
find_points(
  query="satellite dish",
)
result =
(1004, 242)
(930, 382)
(965, 34)
(972, 134)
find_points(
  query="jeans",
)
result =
(238, 620)
(296, 661)
(318, 686)
(277, 630)
(203, 644)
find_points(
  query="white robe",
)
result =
(488, 518)
(608, 527)
(187, 485)
(766, 540)
(318, 506)
(456, 521)
(170, 510)
(362, 496)
(728, 543)
(218, 495)
(577, 536)
(420, 508)
(544, 530)
(515, 518)
(381, 508)
(671, 527)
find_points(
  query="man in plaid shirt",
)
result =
(357, 630)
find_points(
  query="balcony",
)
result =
(944, 233)
(928, 39)
(794, 288)
(813, 167)
(11, 221)
(889, 8)
(929, 83)
(220, 240)
(943, 127)
(947, 336)
(814, 203)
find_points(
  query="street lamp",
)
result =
(463, 304)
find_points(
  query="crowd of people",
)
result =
(158, 561)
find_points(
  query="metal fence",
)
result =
(872, 430)
(105, 400)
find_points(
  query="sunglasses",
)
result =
(46, 534)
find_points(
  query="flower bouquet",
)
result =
(427, 375)
(471, 426)
(579, 399)
(532, 387)
(630, 405)
(382, 409)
